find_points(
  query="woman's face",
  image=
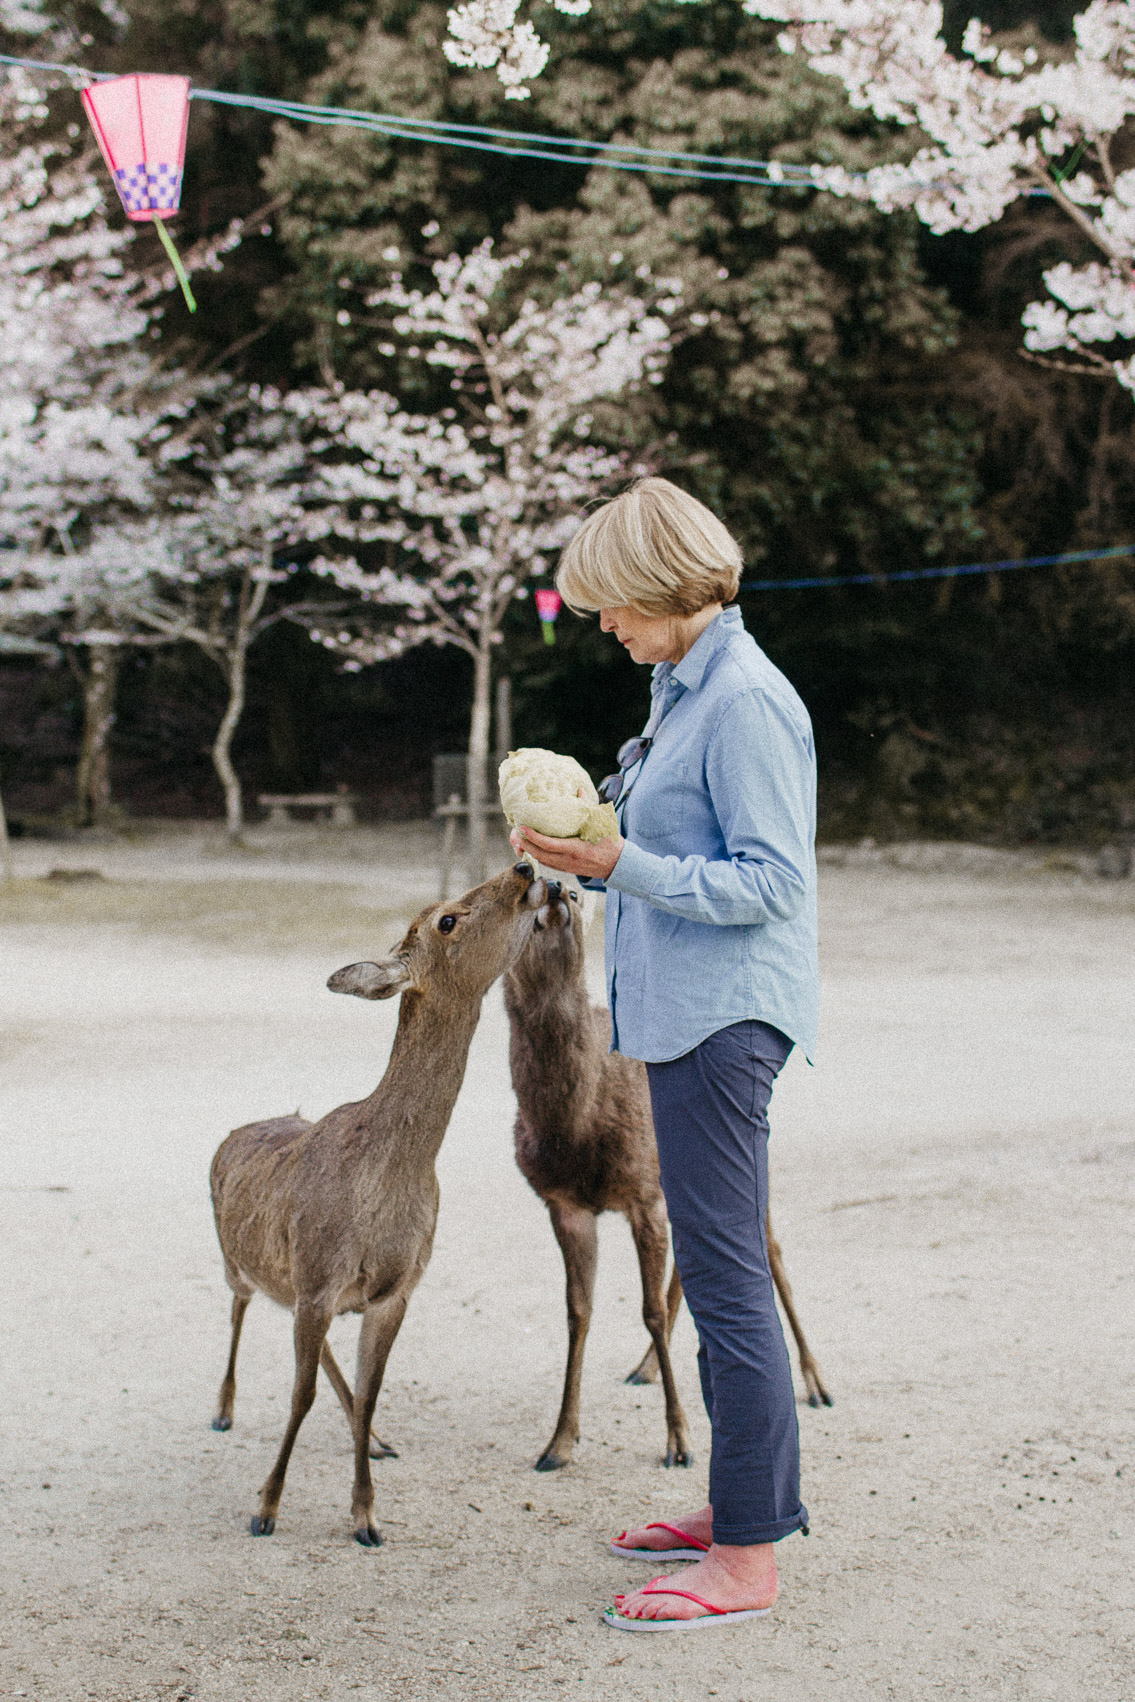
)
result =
(649, 638)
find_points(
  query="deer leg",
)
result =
(311, 1326)
(651, 1240)
(381, 1324)
(579, 1243)
(379, 1450)
(224, 1418)
(809, 1370)
(647, 1368)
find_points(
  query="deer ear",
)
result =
(371, 980)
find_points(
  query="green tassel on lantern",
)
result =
(176, 263)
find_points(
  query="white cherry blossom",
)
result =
(997, 125)
(994, 125)
(485, 33)
(472, 504)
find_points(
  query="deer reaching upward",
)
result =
(339, 1216)
(585, 1142)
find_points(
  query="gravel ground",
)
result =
(953, 1185)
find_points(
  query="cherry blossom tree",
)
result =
(88, 415)
(85, 415)
(70, 335)
(91, 600)
(997, 123)
(472, 503)
(484, 34)
(244, 497)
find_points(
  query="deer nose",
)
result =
(555, 889)
(524, 868)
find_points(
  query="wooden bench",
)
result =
(340, 804)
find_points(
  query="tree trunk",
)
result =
(503, 727)
(5, 846)
(479, 756)
(222, 744)
(93, 777)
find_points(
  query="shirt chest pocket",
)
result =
(659, 804)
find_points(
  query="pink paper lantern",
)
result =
(140, 123)
(548, 605)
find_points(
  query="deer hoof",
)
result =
(262, 1526)
(549, 1462)
(222, 1423)
(820, 1398)
(639, 1377)
(380, 1450)
(368, 1536)
(676, 1456)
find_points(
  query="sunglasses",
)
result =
(611, 789)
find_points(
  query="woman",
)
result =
(711, 970)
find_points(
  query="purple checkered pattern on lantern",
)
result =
(157, 189)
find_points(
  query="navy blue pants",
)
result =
(711, 1122)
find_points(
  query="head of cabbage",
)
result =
(554, 795)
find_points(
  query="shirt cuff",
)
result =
(636, 872)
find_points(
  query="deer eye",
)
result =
(446, 924)
(573, 895)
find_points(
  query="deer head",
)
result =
(457, 947)
(553, 953)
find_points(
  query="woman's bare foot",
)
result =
(699, 1525)
(729, 1578)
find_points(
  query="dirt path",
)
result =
(954, 1189)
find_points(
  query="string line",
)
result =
(766, 174)
(402, 129)
(349, 113)
(524, 144)
(1068, 558)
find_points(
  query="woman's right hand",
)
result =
(569, 856)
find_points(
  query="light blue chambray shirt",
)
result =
(711, 908)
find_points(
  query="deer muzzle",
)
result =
(537, 890)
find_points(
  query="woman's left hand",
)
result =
(572, 856)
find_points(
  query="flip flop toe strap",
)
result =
(688, 1595)
(694, 1542)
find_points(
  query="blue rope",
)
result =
(482, 138)
(433, 128)
(1071, 557)
(558, 150)
(564, 150)
(619, 156)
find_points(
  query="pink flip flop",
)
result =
(693, 1550)
(711, 1616)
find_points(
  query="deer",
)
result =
(585, 1142)
(339, 1215)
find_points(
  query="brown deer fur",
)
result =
(585, 1142)
(339, 1216)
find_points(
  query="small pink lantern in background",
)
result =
(140, 122)
(548, 606)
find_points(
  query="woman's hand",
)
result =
(572, 856)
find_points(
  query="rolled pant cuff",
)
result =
(747, 1536)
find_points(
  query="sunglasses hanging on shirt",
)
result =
(633, 751)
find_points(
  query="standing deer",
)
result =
(585, 1142)
(339, 1216)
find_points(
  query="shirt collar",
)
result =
(690, 671)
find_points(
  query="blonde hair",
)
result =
(654, 547)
